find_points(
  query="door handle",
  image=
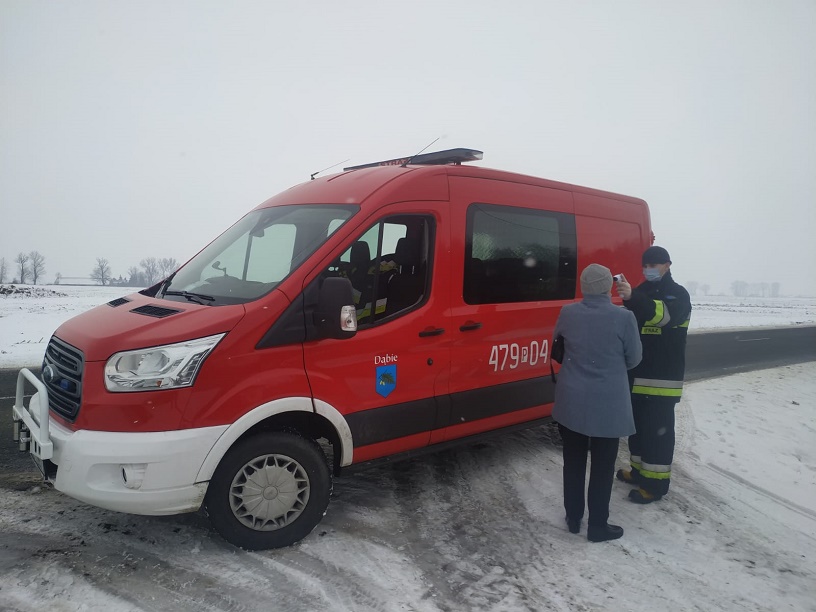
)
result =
(431, 331)
(470, 326)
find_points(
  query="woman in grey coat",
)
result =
(592, 402)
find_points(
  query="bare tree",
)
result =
(102, 272)
(135, 277)
(705, 289)
(774, 289)
(22, 266)
(757, 289)
(37, 267)
(167, 265)
(692, 287)
(151, 270)
(739, 288)
(57, 278)
(3, 270)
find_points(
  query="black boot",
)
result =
(642, 496)
(574, 525)
(627, 476)
(602, 533)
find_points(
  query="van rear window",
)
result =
(516, 254)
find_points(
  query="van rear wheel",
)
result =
(269, 491)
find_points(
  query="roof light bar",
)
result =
(437, 158)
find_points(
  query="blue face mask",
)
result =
(652, 274)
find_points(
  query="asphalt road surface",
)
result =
(720, 353)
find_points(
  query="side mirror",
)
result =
(336, 316)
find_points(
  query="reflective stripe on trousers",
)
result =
(654, 386)
(650, 470)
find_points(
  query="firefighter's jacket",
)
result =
(663, 312)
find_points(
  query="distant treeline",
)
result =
(29, 268)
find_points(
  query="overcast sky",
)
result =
(131, 130)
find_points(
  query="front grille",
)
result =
(65, 387)
(155, 311)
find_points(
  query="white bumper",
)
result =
(138, 473)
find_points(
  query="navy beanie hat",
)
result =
(656, 255)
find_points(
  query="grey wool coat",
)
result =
(601, 343)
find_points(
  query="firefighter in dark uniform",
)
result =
(663, 310)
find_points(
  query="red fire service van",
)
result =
(371, 313)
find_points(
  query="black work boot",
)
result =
(642, 496)
(627, 476)
(574, 525)
(602, 533)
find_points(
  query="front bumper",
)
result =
(139, 473)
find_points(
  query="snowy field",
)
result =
(479, 527)
(29, 315)
(726, 311)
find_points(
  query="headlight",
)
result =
(159, 367)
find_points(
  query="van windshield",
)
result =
(253, 256)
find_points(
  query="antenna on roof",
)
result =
(314, 174)
(408, 161)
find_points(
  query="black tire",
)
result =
(269, 491)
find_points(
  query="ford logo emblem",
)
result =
(49, 374)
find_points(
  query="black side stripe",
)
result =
(408, 418)
(500, 399)
(390, 422)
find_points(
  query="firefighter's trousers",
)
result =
(651, 448)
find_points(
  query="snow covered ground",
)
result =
(727, 311)
(479, 527)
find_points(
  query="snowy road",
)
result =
(476, 528)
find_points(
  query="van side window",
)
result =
(515, 254)
(388, 266)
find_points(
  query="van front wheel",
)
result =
(269, 491)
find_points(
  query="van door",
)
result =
(387, 378)
(514, 262)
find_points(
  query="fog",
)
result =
(134, 130)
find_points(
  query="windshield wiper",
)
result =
(166, 283)
(193, 297)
